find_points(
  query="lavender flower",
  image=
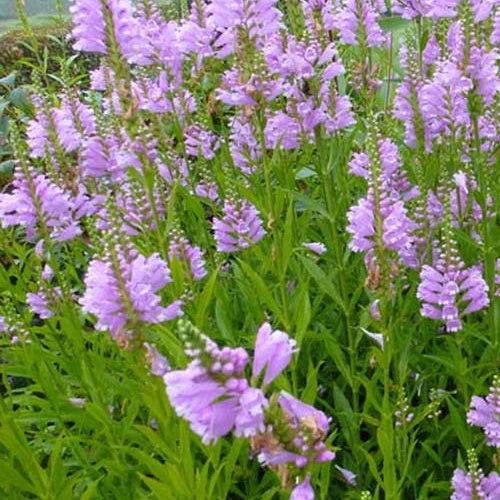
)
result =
(497, 278)
(348, 475)
(485, 413)
(38, 201)
(134, 46)
(38, 136)
(207, 189)
(483, 69)
(250, 417)
(447, 285)
(443, 103)
(89, 29)
(67, 132)
(282, 130)
(121, 291)
(195, 36)
(159, 364)
(308, 427)
(396, 225)
(44, 301)
(315, 247)
(72, 123)
(240, 227)
(381, 217)
(195, 395)
(260, 19)
(377, 337)
(201, 142)
(355, 13)
(212, 393)
(475, 485)
(303, 491)
(182, 250)
(244, 146)
(273, 352)
(427, 8)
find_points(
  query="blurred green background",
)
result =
(40, 13)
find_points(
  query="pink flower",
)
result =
(273, 351)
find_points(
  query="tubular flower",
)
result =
(123, 291)
(475, 485)
(426, 8)
(39, 202)
(396, 226)
(89, 29)
(158, 363)
(212, 393)
(282, 130)
(382, 210)
(244, 146)
(273, 352)
(214, 396)
(182, 250)
(363, 13)
(134, 46)
(240, 227)
(258, 18)
(201, 142)
(303, 443)
(443, 102)
(44, 301)
(449, 291)
(485, 413)
(303, 491)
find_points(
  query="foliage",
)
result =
(263, 156)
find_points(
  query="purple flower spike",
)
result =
(41, 304)
(475, 485)
(356, 13)
(129, 36)
(59, 209)
(485, 413)
(89, 29)
(182, 250)
(303, 491)
(462, 486)
(212, 393)
(117, 300)
(240, 227)
(273, 351)
(446, 285)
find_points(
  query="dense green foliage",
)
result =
(82, 418)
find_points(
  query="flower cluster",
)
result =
(121, 291)
(447, 284)
(215, 396)
(240, 227)
(474, 483)
(485, 413)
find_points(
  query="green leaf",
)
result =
(324, 282)
(263, 293)
(9, 80)
(20, 100)
(394, 23)
(7, 167)
(204, 300)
